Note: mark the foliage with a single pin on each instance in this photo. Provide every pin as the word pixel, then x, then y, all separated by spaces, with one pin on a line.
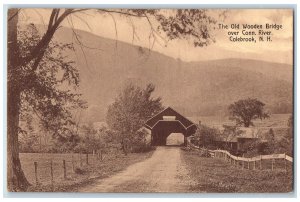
pixel 28 142
pixel 204 153
pixel 286 145
pixel 244 111
pixel 193 25
pixel 253 147
pixel 271 142
pixel 44 95
pixel 132 107
pixel 228 134
pixel 139 142
pixel 206 136
pixel 231 132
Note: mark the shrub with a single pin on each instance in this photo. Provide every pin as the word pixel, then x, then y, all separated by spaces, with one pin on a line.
pixel 205 136
pixel 80 171
pixel 142 148
pixel 205 153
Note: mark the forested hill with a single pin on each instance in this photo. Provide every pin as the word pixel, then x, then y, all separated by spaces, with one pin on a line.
pixel 193 88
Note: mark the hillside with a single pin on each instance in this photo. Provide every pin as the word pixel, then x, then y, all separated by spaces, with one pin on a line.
pixel 194 88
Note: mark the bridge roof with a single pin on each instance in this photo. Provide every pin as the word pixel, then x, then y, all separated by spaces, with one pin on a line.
pixel 165 115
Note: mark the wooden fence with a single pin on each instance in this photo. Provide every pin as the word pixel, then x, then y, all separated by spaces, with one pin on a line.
pixel 258 162
pixel 254 162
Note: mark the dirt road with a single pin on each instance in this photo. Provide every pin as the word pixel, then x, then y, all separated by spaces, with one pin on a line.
pixel 163 172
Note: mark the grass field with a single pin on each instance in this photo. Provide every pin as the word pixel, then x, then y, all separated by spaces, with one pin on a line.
pixel 215 175
pixel 111 164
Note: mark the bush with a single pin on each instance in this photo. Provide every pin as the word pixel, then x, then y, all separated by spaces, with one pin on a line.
pixel 205 153
pixel 80 171
pixel 138 142
pixel 205 136
pixel 142 148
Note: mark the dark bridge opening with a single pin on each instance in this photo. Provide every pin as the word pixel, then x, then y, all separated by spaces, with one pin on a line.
pixel 167 122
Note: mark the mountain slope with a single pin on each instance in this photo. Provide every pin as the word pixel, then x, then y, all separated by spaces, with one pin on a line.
pixel 194 88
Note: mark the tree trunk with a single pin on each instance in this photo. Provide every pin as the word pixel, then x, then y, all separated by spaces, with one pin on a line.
pixel 16 180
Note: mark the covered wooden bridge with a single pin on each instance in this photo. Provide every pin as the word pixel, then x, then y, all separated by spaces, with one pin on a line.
pixel 166 122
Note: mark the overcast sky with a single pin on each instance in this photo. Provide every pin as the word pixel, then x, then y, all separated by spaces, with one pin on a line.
pixel 117 27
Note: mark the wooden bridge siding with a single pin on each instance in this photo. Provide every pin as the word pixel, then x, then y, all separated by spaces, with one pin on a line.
pixel 162 130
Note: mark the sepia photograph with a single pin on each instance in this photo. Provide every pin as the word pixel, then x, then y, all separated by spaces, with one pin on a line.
pixel 144 100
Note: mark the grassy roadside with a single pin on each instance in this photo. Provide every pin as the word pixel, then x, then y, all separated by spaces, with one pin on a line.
pixel 214 175
pixel 95 170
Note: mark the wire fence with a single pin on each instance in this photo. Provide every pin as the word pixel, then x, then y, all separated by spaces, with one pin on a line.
pixel 50 169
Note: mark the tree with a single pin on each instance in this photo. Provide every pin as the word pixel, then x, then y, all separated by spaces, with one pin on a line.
pixel 26 76
pixel 91 139
pixel 271 142
pixel 244 111
pixel 130 110
pixel 286 144
pixel 229 133
pixel 289 137
pixel 206 136
pixel 37 89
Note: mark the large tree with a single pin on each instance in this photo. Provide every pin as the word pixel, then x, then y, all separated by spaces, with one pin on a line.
pixel 130 110
pixel 39 88
pixel 24 69
pixel 247 110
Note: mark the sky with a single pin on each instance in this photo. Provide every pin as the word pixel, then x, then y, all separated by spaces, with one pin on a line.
pixel 117 27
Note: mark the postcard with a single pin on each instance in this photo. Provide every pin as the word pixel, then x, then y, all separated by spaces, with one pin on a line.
pixel 179 100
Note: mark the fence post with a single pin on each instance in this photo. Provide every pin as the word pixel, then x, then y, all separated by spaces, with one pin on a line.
pixel 51 172
pixel 80 156
pixel 273 160
pixel 260 163
pixel 65 170
pixel 73 166
pixel 35 173
pixel 254 165
pixel 248 164
pixel 285 167
pixel 87 159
